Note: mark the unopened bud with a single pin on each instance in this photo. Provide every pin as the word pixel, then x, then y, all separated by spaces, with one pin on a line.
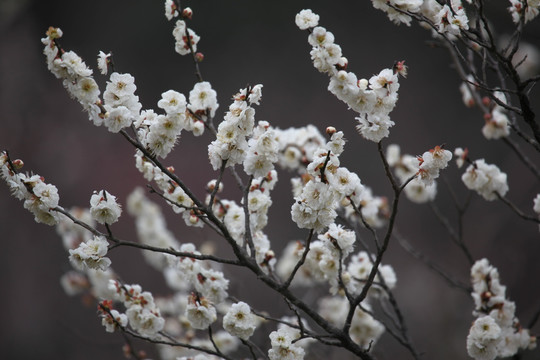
pixel 342 63
pixel 363 84
pixel 18 164
pixel 199 57
pixel 170 168
pixel 331 130
pixel 486 100
pixel 187 13
pixel 212 185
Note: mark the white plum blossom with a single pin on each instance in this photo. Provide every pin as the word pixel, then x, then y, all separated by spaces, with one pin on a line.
pixel 373 100
pixel 117 118
pixel 144 320
pixel 104 208
pixel 497 125
pixel 536 204
pixel 91 255
pixel 231 144
pixel 120 93
pixel 315 207
pixel 283 347
pixel 103 62
pixel 171 10
pixel 451 20
pixel 113 320
pixel 172 102
pixel 338 238
pixel 431 162
pixel 200 312
pixel 183 43
pixel 203 98
pixel 240 321
pixel 483 339
pixel 255 94
pixel 306 19
pixel 486 179
pixel 531 10
pixel 211 284
pixel 496 332
pixel 365 330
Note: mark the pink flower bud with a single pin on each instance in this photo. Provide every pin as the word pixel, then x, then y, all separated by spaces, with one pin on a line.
pixel 199 57
pixel 187 13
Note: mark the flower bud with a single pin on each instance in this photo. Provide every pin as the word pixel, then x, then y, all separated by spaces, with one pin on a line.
pixel 18 164
pixel 187 13
pixel 199 57
pixel 331 130
pixel 342 63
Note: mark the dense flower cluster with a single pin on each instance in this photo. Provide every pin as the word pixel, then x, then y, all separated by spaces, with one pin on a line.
pixel 104 208
pixel 486 179
pixel 419 171
pixel 231 144
pixel 143 315
pixel 39 197
pixel 496 332
pixel 330 201
pixel 372 99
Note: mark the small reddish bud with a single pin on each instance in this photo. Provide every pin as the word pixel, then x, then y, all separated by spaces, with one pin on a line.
pixel 187 13
pixel 487 117
pixel 486 100
pixel 331 130
pixel 199 57
pixel 18 164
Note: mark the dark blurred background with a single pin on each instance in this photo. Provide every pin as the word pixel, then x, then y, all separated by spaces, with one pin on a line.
pixel 244 42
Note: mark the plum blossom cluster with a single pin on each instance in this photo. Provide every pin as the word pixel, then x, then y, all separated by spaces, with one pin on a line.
pixel 104 208
pixel 143 315
pixel 75 75
pixel 449 19
pixel 39 197
pixel 524 9
pixel 419 171
pixel 497 124
pixel 111 319
pixel 325 186
pixel 186 39
pixel 258 204
pixel 315 206
pixel 120 102
pixel 120 106
pixel 91 254
pixel 486 179
pixel 364 330
pixel 283 346
pixel 231 144
pixel 496 332
pixel 203 287
pixel 355 279
pixel 325 263
pixel 372 99
pixel 160 132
